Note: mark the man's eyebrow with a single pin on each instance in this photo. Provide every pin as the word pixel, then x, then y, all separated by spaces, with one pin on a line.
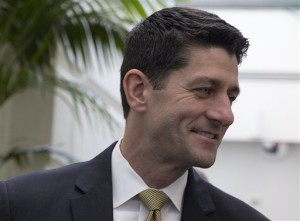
pixel 205 80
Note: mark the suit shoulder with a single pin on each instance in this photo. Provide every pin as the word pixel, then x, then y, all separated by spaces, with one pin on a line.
pixel 229 204
pixel 47 194
pixel 60 178
pixel 24 195
pixel 45 179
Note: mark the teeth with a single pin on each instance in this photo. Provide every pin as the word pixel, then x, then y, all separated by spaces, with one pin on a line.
pixel 206 134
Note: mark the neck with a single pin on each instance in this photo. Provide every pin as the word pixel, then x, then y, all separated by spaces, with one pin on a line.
pixel 156 172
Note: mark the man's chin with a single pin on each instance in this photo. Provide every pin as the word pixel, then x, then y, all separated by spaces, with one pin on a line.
pixel 207 163
pixel 205 166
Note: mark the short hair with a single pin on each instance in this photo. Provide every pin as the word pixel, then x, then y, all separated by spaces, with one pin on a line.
pixel 159 44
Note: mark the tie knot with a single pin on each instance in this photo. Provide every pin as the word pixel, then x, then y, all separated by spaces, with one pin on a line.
pixel 153 199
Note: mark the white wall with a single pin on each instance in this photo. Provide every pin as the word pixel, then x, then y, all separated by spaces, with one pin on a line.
pixel 269 182
pixel 25 121
pixel 273 35
pixel 83 139
pixel 266 110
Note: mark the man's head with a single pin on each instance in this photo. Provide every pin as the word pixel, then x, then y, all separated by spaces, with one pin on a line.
pixel 161 43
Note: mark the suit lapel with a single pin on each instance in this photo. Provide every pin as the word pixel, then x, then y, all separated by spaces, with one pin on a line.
pixel 93 201
pixel 197 202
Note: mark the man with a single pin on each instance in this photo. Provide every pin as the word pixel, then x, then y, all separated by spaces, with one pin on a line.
pixel 179 78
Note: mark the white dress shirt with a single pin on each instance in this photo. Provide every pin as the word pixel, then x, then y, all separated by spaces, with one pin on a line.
pixel 127 184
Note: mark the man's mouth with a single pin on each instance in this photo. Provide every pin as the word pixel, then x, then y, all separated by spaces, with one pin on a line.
pixel 205 133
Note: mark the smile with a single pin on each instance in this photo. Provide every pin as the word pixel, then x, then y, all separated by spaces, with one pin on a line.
pixel 205 134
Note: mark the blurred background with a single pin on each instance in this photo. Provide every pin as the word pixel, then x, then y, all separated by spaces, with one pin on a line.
pixel 60 102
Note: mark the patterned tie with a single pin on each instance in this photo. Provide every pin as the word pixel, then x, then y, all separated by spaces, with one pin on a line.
pixel 154 200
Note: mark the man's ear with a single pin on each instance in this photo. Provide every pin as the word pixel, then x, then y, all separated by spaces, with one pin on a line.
pixel 135 84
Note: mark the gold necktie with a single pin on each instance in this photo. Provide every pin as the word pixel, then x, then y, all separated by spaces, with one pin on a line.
pixel 154 200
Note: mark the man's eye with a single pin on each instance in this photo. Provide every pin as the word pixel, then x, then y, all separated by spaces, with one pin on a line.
pixel 204 90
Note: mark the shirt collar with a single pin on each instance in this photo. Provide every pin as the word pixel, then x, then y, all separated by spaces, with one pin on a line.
pixel 124 176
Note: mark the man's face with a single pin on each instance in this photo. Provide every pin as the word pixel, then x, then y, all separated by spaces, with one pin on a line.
pixel 189 116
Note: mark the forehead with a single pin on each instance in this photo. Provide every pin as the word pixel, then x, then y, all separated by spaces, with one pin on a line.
pixel 212 64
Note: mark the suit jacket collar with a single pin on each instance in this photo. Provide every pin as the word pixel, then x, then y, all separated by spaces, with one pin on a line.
pixel 197 202
pixel 94 186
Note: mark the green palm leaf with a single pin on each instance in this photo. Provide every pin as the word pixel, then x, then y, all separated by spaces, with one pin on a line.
pixel 32 30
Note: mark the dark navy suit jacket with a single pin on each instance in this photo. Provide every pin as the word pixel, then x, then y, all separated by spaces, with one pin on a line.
pixel 83 192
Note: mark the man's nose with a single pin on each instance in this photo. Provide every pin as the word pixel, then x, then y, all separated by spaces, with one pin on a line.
pixel 221 112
